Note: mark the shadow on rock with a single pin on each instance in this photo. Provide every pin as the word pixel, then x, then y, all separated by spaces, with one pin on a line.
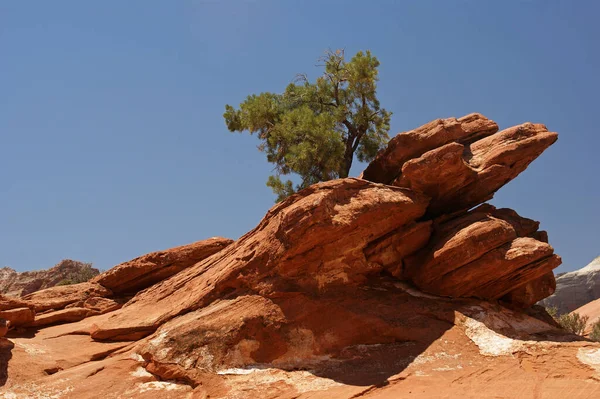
pixel 6 348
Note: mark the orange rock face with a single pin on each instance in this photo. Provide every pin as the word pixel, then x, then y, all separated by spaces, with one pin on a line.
pixel 350 288
pixel 142 272
pixel 313 241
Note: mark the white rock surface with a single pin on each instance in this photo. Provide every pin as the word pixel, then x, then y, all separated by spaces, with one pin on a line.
pixel 575 289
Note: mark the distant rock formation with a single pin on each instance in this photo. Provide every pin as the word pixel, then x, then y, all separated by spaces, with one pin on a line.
pixel 575 289
pixel 13 283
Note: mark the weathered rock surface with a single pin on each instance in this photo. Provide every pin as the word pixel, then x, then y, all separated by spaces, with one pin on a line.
pixel 313 241
pixel 101 305
pixel 60 296
pixel 142 272
pixel 61 316
pixel 17 311
pixel 387 166
pixel 18 316
pixel 319 300
pixel 575 289
pixel 7 302
pixel 383 341
pixel 459 163
pixel 17 284
pixel 486 253
pixel 531 292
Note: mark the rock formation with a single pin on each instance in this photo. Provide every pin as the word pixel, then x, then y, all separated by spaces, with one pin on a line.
pixel 575 289
pixel 386 286
pixel 17 311
pixel 17 284
pixel 142 272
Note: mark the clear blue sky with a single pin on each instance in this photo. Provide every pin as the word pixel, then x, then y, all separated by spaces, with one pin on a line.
pixel 112 141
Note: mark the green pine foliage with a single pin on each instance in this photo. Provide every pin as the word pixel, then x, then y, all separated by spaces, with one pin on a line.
pixel 314 129
pixel 595 334
pixel 81 275
pixel 573 322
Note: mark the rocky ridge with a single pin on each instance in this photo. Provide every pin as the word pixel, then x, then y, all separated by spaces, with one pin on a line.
pixel 575 289
pixel 383 286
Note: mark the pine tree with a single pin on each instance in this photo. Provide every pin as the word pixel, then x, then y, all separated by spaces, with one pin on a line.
pixel 314 130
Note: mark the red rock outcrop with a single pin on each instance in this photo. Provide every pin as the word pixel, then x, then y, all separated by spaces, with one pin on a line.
pixel 60 296
pixel 387 166
pixel 459 163
pixel 18 317
pixel 142 272
pixel 17 284
pixel 319 300
pixel 17 311
pixel 313 241
pixel 486 253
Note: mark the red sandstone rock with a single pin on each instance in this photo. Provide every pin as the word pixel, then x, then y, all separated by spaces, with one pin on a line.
pixel 61 316
pixel 458 177
pixel 142 272
pixel 486 253
pixel 60 296
pixel 18 316
pixel 313 241
pixel 412 144
pixel 7 302
pixel 310 304
pixel 101 305
pixel 458 164
pixel 532 292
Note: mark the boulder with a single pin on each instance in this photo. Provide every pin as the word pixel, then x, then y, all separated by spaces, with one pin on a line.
pixel 485 253
pixel 142 272
pixel 387 165
pixel 19 316
pixel 458 176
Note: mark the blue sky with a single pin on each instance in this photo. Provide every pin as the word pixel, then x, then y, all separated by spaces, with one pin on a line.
pixel 112 141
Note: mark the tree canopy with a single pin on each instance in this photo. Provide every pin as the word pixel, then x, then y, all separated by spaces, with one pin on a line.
pixel 314 130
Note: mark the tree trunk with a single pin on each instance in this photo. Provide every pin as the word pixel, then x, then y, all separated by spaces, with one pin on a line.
pixel 347 161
